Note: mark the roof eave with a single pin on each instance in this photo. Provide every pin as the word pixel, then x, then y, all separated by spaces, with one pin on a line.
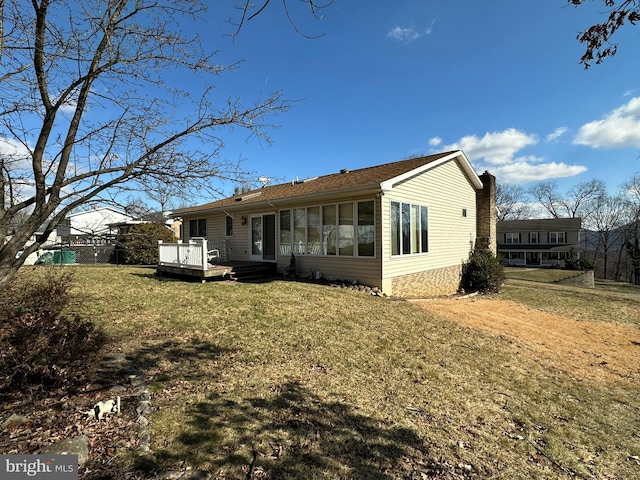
pixel 373 189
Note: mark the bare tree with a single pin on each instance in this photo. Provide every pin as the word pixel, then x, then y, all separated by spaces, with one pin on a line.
pixel 608 216
pixel 631 190
pixel 547 195
pixel 576 203
pixel 1 26
pixel 513 202
pixel 249 11
pixel 92 97
pixel 597 37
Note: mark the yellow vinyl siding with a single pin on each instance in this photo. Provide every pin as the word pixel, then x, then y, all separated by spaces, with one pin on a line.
pixel 237 245
pixel 446 191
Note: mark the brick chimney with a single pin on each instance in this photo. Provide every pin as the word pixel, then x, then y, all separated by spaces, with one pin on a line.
pixel 486 214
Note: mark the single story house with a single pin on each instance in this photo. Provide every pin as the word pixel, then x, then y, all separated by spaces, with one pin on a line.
pixel 539 242
pixel 405 227
pixel 91 227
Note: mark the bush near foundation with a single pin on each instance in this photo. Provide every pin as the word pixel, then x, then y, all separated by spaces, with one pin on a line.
pixel 40 347
pixel 482 273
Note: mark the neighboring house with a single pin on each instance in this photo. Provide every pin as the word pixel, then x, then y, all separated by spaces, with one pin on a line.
pixel 405 227
pixel 92 227
pixel 123 228
pixel 540 242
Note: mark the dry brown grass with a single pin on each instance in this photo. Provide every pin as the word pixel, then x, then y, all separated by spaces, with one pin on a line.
pixel 547 275
pixel 594 305
pixel 305 381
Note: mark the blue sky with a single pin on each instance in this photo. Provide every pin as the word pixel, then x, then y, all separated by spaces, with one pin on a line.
pixel 389 80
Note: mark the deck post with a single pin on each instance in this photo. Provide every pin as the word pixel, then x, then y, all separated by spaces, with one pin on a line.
pixel 178 252
pixel 205 259
pixel 202 242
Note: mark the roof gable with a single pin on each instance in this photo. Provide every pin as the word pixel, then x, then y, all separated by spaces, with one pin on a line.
pixel 380 177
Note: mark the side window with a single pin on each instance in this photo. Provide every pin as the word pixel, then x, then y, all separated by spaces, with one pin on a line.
pixel 229 226
pixel 198 228
pixel 511 237
pixel 409 229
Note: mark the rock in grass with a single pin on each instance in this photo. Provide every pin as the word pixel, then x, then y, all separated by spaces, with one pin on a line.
pixel 72 446
pixel 14 421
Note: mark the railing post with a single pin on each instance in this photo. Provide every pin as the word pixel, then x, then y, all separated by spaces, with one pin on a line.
pixel 159 252
pixel 178 252
pixel 204 259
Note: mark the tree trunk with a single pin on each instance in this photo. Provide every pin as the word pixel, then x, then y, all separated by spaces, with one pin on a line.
pixel 9 264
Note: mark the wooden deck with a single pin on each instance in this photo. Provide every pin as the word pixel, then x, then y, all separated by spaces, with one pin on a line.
pixel 236 270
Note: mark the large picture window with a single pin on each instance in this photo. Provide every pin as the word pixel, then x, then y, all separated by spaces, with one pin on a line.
pixel 329 230
pixel 345 229
pixel 299 243
pixel 313 231
pixel 285 232
pixel 409 229
pixel 366 229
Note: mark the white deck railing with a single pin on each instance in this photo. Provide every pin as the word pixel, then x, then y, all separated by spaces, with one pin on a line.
pixel 184 255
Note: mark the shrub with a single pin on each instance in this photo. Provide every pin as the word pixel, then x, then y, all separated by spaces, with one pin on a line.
pixel 41 348
pixel 482 273
pixel 572 262
pixel 140 245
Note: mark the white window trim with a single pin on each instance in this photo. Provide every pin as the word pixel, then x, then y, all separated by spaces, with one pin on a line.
pixel 354 204
pixel 409 254
pixel 510 235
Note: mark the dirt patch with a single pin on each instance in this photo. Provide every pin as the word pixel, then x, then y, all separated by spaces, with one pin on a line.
pixel 603 352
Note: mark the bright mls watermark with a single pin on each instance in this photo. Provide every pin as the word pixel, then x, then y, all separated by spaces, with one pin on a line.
pixel 50 467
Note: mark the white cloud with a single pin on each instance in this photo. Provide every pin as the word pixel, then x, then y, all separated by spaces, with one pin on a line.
pixel 435 141
pixel 409 34
pixel 521 170
pixel 18 160
pixel 429 29
pixel 557 133
pixel 497 148
pixel 14 152
pixel 618 129
pixel 69 108
pixel 497 153
pixel 404 35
